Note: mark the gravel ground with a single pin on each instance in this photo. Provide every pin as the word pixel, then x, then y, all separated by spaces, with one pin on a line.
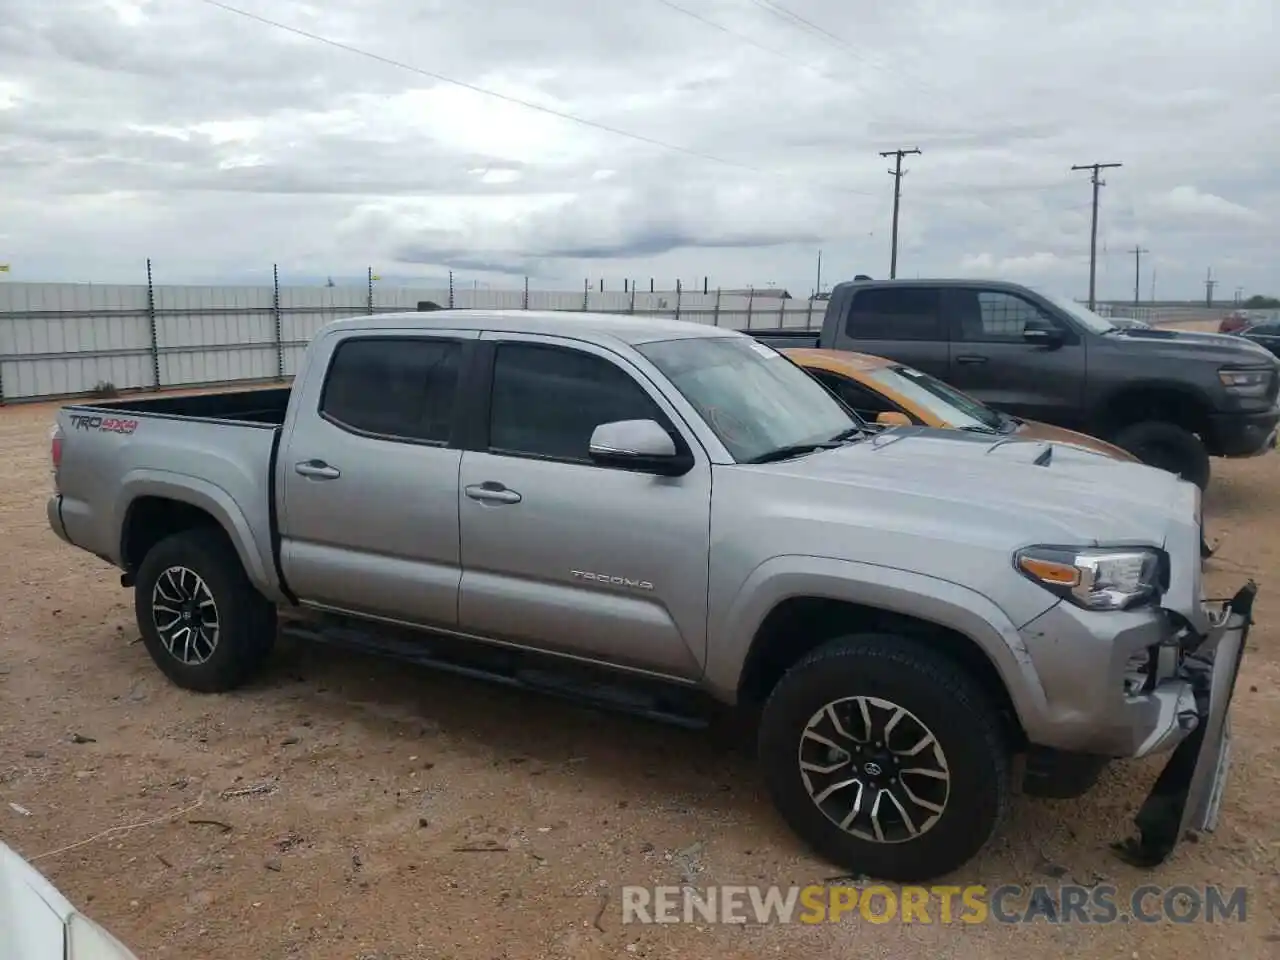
pixel 320 812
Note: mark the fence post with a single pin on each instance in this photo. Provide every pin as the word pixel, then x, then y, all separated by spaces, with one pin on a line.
pixel 450 289
pixel 632 308
pixel 275 311
pixel 751 295
pixel 524 303
pixel 678 291
pixel 151 322
pixel 715 317
pixel 369 294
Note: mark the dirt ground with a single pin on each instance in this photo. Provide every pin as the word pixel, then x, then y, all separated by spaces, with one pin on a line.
pixel 319 812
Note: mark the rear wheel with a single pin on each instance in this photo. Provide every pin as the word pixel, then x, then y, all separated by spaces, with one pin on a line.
pixel 1169 447
pixel 203 623
pixel 885 757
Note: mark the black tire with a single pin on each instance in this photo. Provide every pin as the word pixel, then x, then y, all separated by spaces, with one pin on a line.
pixel 1169 447
pixel 938 694
pixel 246 620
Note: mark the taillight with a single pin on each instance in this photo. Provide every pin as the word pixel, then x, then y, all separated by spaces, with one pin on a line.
pixel 55 447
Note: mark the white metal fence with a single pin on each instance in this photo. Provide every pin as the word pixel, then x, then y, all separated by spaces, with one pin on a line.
pixel 69 339
pixel 76 339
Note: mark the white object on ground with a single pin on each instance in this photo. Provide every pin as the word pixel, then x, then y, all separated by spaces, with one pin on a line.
pixel 39 923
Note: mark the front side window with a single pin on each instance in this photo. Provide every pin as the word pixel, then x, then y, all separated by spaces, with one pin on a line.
pixel 753 398
pixel 943 402
pixel 399 388
pixel 548 400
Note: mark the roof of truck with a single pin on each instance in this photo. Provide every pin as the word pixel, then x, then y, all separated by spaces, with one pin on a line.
pixel 627 328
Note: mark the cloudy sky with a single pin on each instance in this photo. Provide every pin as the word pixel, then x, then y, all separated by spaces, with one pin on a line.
pixel 732 139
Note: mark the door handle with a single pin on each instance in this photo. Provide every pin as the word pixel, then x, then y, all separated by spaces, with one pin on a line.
pixel 316 470
pixel 970 358
pixel 492 492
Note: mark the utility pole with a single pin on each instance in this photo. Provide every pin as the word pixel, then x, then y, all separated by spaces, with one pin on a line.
pixel 1137 272
pixel 818 287
pixel 1093 231
pixel 1209 284
pixel 897 173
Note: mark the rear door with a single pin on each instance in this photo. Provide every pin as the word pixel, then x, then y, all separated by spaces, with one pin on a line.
pixel 992 361
pixel 901 322
pixel 369 478
pixel 566 555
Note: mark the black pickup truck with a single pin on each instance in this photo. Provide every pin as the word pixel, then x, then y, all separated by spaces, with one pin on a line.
pixel 1172 399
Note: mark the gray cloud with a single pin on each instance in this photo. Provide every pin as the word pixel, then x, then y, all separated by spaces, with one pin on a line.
pixel 218 145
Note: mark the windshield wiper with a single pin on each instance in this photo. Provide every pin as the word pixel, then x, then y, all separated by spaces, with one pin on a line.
pixel 795 450
pixel 852 433
pixel 978 428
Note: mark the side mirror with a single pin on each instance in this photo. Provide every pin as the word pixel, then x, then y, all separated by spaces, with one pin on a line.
pixel 1042 338
pixel 892 418
pixel 640 445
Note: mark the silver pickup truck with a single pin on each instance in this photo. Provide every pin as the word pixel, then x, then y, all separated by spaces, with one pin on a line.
pixel 647 514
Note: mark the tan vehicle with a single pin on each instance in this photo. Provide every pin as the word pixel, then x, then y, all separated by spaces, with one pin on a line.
pixel 893 394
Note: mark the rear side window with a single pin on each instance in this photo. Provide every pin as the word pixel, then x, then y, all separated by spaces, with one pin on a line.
pixel 547 401
pixel 398 388
pixel 895 313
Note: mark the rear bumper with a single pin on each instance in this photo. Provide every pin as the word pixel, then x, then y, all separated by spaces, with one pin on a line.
pixel 53 510
pixel 1188 794
pixel 1242 434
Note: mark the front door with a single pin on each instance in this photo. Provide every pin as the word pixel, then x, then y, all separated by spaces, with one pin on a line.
pixel 369 515
pixel 992 361
pixel 562 554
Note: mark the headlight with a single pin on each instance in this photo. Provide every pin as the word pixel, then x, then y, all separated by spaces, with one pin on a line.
pixel 1245 382
pixel 1096 578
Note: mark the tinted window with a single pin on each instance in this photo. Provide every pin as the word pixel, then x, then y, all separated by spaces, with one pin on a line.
pixel 1266 328
pixel 865 403
pixel 895 313
pixel 394 387
pixel 1001 316
pixel 547 401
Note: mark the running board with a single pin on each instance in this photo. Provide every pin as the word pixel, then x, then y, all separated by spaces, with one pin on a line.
pixel 598 688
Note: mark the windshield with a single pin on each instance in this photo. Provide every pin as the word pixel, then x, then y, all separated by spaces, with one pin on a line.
pixel 752 397
pixel 943 402
pixel 1080 313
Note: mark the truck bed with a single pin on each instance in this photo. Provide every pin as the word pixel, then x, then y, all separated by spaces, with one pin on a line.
pixel 264 406
pixel 781 337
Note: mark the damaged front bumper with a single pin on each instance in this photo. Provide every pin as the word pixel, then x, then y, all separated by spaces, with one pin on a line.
pixel 1187 796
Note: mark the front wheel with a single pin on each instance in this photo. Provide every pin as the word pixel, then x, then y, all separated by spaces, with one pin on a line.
pixel 885 757
pixel 1169 447
pixel 205 625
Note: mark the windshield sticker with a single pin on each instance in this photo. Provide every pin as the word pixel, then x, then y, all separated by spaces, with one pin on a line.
pixel 767 352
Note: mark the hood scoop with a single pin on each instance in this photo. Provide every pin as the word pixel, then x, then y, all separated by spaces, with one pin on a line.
pixel 1018 449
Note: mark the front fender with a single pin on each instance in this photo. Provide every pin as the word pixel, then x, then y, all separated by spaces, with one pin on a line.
pixel 212 499
pixel 928 598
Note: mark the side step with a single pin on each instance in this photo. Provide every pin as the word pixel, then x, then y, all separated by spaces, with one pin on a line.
pixel 567 680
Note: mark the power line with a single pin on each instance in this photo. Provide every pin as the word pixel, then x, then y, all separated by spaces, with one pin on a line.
pixel 1093 231
pixel 474 88
pixel 782 13
pixel 897 173
pixel 738 36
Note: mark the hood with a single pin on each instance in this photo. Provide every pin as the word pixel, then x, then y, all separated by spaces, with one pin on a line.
pixel 1034 430
pixel 1222 347
pixel 1006 488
